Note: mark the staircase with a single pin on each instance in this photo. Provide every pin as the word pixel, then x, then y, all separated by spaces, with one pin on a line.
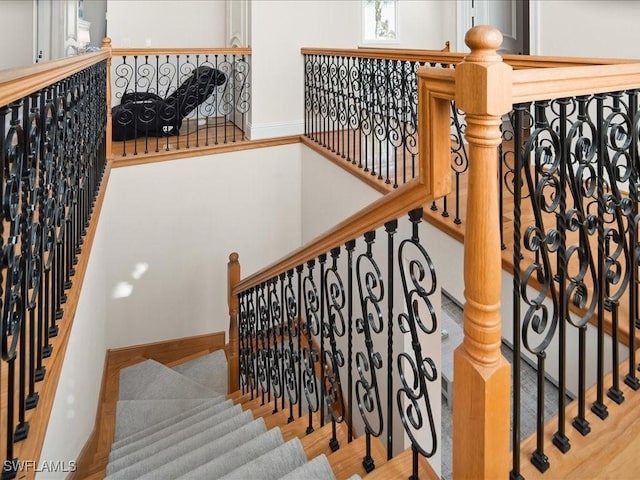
pixel 178 422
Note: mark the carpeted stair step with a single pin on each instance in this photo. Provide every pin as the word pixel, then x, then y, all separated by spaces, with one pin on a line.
pixel 209 370
pixel 135 415
pixel 272 465
pixel 165 423
pixel 180 457
pixel 191 424
pixel 216 467
pixel 204 453
pixel 150 380
pixel 214 427
pixel 316 469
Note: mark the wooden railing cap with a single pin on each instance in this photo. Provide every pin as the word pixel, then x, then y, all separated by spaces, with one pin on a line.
pixel 483 40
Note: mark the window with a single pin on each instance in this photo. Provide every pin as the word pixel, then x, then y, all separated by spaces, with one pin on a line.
pixel 379 20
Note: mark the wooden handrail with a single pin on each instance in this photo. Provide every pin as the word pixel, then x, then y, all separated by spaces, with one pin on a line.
pixel 453 58
pixel 17 83
pixel 180 51
pixel 544 84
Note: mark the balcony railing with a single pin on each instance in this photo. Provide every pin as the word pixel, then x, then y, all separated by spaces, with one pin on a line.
pixel 172 99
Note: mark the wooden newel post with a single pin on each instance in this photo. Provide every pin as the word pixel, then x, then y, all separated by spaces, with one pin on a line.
pixel 106 45
pixel 233 360
pixel 481 395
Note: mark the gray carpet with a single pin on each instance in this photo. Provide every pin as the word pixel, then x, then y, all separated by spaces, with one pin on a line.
pixel 175 423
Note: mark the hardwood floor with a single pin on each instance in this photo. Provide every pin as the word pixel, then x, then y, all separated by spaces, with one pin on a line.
pixel 193 135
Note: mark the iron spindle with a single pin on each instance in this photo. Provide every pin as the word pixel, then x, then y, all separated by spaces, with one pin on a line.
pixel 560 440
pixel 299 322
pixel 538 458
pixel 391 228
pixel 598 407
pixel 630 378
pixel 322 259
pixel 518 162
pixel 349 247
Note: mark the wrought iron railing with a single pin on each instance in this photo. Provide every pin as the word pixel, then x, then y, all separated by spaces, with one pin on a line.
pixel 328 337
pixel 176 99
pixel 362 106
pixel 322 332
pixel 574 180
pixel 52 158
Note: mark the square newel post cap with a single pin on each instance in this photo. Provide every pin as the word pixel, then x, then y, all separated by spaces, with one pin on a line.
pixel 483 80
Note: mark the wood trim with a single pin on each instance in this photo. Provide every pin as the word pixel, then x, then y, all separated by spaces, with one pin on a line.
pixel 94 455
pixel 453 58
pixel 31 448
pixel 17 83
pixel 142 159
pixel 168 351
pixel 120 52
pixel 543 84
pixel 436 56
pixel 404 51
pixel 233 277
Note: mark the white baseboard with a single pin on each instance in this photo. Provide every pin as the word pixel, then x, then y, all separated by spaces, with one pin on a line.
pixel 270 130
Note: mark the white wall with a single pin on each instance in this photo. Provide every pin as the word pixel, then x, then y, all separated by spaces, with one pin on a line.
pixel 158 23
pixel 182 219
pixel 278 30
pixel 426 24
pixel 589 29
pixel 323 207
pixel 16 34
pixel 74 409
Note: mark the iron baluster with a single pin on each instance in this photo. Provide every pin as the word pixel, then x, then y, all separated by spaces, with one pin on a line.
pixel 322 260
pixel 580 156
pixel 539 325
pixel 391 228
pixel 371 291
pixel 349 247
pixel 300 331
pixel 460 158
pixel 417 369
pixel 311 329
pixel 560 439
pixel 598 407
pixel 333 359
pixel 630 378
pixel 262 348
pixel 291 357
pixel 275 311
pixel 518 161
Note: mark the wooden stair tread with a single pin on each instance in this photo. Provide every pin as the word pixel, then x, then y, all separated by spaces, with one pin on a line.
pixel 400 467
pixel 298 428
pixel 609 451
pixel 348 460
pixel 317 443
pixel 276 419
pixel 235 395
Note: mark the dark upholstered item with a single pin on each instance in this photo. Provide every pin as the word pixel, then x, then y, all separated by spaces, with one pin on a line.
pixel 143 114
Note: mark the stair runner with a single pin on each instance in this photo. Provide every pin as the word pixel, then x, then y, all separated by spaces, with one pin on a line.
pixel 176 423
